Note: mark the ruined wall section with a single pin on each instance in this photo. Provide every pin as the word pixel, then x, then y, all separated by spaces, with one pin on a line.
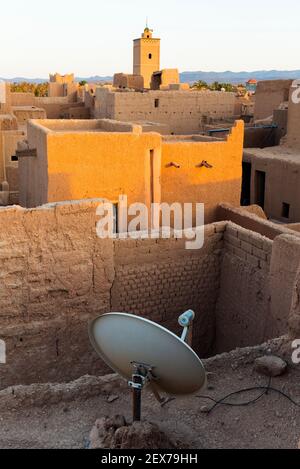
pixel 55 276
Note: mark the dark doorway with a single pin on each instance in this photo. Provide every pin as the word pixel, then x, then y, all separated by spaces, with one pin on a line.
pixel 260 188
pixel 285 210
pixel 246 184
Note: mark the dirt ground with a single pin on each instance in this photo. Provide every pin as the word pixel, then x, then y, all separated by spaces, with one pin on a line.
pixel 61 416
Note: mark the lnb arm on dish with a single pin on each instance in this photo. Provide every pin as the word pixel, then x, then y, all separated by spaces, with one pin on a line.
pixel 185 321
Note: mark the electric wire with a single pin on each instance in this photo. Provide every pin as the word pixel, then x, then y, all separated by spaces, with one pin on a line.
pixel 265 391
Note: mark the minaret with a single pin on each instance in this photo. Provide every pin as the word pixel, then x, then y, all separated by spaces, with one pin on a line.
pixel 146 56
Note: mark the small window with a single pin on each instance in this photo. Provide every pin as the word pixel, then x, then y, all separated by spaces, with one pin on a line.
pixel 285 210
pixel 156 103
pixel 14 158
pixel 150 56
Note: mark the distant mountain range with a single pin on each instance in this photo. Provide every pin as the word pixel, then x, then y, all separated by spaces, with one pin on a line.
pixel 191 77
pixel 239 77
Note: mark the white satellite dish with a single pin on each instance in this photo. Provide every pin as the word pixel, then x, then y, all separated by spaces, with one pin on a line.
pixel 146 354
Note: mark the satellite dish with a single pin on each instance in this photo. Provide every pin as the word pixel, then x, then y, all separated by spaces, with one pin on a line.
pixel 146 354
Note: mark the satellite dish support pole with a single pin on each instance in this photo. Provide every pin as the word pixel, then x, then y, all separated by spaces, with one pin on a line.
pixel 140 378
pixel 137 387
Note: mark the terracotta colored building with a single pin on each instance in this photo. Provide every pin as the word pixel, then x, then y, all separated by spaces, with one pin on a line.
pixel 106 159
pixel 146 56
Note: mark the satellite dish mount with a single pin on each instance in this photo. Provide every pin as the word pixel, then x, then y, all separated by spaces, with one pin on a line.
pixel 143 374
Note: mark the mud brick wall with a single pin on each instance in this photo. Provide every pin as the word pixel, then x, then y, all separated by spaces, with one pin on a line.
pixel 243 308
pixel 56 275
pixel 160 279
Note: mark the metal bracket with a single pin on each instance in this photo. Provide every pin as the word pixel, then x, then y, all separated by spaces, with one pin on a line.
pixel 143 375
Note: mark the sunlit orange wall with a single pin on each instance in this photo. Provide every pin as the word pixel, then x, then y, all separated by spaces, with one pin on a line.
pixel 210 186
pixel 106 165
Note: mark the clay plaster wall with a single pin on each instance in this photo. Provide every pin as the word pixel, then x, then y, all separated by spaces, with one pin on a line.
pixel 203 185
pixel 24 113
pixel 257 299
pixel 122 80
pixel 23 99
pixel 160 278
pixel 103 158
pixel 242 216
pixel 87 163
pixel 269 95
pixel 56 275
pixel 54 106
pixel 281 172
pixel 184 112
pixel 243 310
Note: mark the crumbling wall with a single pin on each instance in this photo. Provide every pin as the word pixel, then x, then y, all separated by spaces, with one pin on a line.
pixel 243 217
pixel 56 275
pixel 243 310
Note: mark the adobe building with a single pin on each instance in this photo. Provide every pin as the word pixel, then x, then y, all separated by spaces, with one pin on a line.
pixel 15 112
pixel 65 100
pixel 125 81
pixel 61 85
pixel 271 175
pixel 269 95
pixel 11 133
pixel 146 56
pixel 68 160
pixel 168 79
pixel 185 112
pixel 157 96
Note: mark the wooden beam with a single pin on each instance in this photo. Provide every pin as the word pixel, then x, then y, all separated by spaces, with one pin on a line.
pixel 28 153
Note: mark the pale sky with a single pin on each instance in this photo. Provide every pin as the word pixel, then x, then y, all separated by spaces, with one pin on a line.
pixel 94 37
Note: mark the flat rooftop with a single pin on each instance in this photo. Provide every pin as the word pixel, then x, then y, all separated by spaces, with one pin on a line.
pixel 281 152
pixel 85 125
